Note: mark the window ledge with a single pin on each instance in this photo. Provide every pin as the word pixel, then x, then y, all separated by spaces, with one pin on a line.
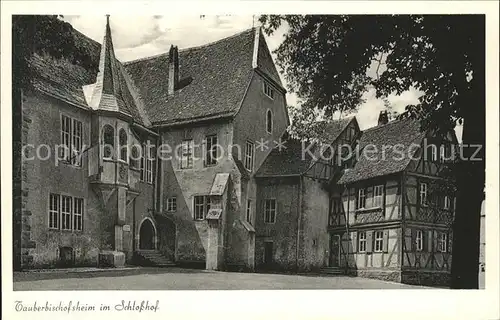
pixel 366 210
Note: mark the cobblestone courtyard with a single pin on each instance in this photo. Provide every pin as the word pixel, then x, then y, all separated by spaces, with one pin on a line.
pixel 187 279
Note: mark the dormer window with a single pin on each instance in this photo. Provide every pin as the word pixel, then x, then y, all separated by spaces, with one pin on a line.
pixel 268 90
pixel 123 145
pixel 269 121
pixel 108 142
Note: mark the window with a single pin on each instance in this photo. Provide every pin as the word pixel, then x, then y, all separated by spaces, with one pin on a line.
pixel 201 207
pixel 269 121
pixel 378 196
pixel 136 157
pixel 143 163
pixel 379 241
pixel 361 201
pixel 123 145
pixel 54 211
pixel 211 155
pixel 108 141
pixel 268 90
pixel 423 194
pixel 447 203
pixel 249 210
pixel 442 242
pixel 77 139
pixel 187 154
pixel 78 214
pixel 352 133
pixel 270 211
pixel 335 210
pixel 362 242
pixel 419 240
pixel 149 163
pixel 65 212
pixel 172 204
pixel 249 154
pixel 71 140
pixel 433 153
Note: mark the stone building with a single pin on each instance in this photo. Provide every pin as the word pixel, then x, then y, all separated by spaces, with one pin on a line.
pixel 210 105
pixel 184 158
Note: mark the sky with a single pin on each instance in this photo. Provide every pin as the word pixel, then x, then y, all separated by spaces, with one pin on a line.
pixel 137 37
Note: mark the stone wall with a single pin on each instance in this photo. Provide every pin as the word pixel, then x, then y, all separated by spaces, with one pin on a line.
pixel 42 177
pixel 282 233
pixel 314 240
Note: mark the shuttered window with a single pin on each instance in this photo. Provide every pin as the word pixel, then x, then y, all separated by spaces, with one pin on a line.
pixel 361 200
pixel 379 241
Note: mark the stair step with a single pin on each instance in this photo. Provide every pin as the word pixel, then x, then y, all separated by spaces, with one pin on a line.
pixel 332 270
pixel 156 258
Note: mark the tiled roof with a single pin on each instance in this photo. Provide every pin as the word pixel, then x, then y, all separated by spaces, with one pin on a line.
pixel 396 135
pixel 213 79
pixel 285 161
pixel 265 61
pixel 289 161
pixel 329 131
pixel 64 80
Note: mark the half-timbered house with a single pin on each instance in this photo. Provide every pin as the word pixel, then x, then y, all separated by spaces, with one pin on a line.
pixel 224 197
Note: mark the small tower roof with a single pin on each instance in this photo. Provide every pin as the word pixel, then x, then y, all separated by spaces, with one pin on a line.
pixel 107 91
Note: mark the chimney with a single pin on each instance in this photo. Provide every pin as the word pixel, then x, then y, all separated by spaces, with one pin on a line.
pixel 173 69
pixel 383 118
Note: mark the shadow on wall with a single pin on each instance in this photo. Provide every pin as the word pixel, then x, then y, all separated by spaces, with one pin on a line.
pixel 187 241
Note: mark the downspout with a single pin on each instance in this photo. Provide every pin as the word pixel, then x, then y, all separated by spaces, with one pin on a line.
pixel 402 213
pixel 346 217
pixel 157 165
pixel 299 221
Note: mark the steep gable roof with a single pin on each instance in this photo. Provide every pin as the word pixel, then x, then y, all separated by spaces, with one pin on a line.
pixel 329 131
pixel 213 80
pixel 291 160
pixel 264 61
pixel 66 81
pixel 393 136
pixel 285 162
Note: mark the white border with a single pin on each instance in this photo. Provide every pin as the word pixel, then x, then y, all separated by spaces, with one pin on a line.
pixel 341 304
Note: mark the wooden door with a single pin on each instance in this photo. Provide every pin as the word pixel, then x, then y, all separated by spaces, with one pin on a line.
pixel 268 252
pixel 334 250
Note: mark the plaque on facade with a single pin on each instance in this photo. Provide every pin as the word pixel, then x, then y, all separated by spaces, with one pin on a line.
pixel 126 227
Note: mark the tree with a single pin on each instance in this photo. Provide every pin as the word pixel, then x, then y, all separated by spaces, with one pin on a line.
pixel 31 35
pixel 325 60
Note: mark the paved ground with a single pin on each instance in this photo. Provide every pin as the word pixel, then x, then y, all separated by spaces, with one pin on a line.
pixel 182 279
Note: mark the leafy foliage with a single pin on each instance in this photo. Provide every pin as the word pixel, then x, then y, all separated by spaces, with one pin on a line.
pixel 46 34
pixel 325 59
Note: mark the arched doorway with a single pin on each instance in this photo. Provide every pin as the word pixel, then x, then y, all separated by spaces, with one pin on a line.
pixel 147 235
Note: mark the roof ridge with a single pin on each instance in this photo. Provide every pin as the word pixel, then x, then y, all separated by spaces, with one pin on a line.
pixel 385 125
pixel 191 48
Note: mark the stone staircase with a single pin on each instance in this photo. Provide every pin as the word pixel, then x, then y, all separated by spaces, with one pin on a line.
pixel 334 271
pixel 153 258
